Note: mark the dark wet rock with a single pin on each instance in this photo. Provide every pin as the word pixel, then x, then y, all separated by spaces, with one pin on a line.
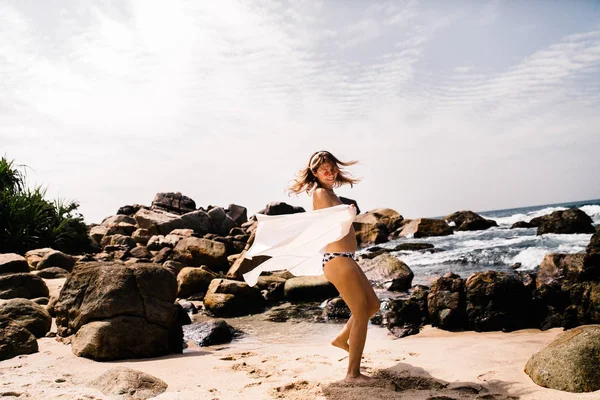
pixel 413 247
pixel 11 263
pixel 591 262
pixel 387 271
pixel 558 267
pixel 406 316
pixel 280 208
pixel 522 224
pixel 163 255
pixel 469 221
pixel 53 273
pixel 194 281
pixel 27 314
pixel 119 311
pixel 336 308
pixel 309 288
pixel 570 362
pixel 209 333
pixel 175 203
pixel 271 287
pixel 25 285
pixel 568 221
pixel 295 312
pixel 549 303
pixel 221 222
pixel 497 301
pixel 127 383
pixel 195 252
pixel 15 340
pixel 227 298
pixel 426 227
pixel 446 302
pixel 237 213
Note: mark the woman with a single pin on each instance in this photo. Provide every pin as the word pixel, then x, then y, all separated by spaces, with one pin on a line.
pixel 323 174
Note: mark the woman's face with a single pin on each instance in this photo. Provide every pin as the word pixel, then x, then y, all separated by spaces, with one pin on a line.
pixel 326 175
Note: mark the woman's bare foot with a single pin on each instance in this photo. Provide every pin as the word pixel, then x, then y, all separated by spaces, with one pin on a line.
pixel 342 344
pixel 359 379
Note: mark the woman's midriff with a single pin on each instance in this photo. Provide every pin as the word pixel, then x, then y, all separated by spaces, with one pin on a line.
pixel 347 243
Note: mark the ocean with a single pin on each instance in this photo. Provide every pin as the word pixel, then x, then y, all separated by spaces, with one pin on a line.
pixel 497 248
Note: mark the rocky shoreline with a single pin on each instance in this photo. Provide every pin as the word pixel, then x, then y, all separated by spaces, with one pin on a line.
pixel 155 265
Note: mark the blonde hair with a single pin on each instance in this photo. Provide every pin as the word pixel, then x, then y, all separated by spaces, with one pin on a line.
pixel 306 181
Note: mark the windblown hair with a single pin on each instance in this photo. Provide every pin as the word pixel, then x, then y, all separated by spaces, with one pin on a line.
pixel 306 181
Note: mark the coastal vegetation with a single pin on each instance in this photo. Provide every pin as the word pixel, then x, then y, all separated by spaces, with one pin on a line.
pixel 29 221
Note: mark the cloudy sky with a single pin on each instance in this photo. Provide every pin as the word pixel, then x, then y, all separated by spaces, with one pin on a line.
pixel 447 105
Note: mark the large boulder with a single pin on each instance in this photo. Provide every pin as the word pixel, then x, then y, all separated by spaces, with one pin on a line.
pixel 193 281
pixel 25 285
pixel 446 302
pixel 118 240
pixel 121 228
pixel 242 265
pixel 570 362
pixel 406 316
pixel 116 219
pixel 556 267
pixel 227 298
pixel 175 203
pixel 33 257
pixel 127 383
pixel 27 314
pixel 199 221
pixel 426 227
pixel 195 252
pixel 11 263
pixel 209 333
pixel 237 213
pixel 387 271
pixel 15 340
pixel 568 221
pixel 159 242
pixel 53 273
pixel 308 288
pixel 591 262
pixel 221 222
pixel 119 311
pixel 497 301
pixel 280 208
pixel 158 222
pixel 370 229
pixel 58 259
pixel 469 221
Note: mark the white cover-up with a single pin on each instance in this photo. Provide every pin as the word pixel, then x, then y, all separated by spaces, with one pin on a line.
pixel 296 242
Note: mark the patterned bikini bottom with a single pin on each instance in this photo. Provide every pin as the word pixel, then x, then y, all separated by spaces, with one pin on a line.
pixel 330 256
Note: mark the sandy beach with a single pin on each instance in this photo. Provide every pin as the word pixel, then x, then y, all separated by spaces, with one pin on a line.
pixel 302 365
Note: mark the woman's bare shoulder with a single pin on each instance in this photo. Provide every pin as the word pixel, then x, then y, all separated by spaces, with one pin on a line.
pixel 322 198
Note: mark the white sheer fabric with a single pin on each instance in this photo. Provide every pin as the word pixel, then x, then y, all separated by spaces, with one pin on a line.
pixel 296 242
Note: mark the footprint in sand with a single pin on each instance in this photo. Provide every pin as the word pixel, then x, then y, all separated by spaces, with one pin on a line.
pixel 250 370
pixel 238 356
pixel 486 376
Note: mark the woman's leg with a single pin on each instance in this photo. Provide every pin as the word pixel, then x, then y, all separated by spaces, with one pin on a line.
pixel 345 275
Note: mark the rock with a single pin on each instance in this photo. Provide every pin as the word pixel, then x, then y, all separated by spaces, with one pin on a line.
pixel 141 236
pixel 413 247
pixel 163 255
pixel 119 311
pixel 369 230
pixel 406 316
pixel 192 281
pixel 309 288
pixel 591 262
pixel 141 252
pixel 15 340
pixel 115 219
pixel 221 222
pixel 159 242
pixel 199 221
pixel 121 228
pixel 570 362
pixel 336 308
pixel 497 301
pixel 128 209
pixel 237 213
pixel 33 257
pixel 557 267
pixel 271 287
pixel 173 266
pixel 195 252
pixel 446 302
pixel 209 333
pixel 117 240
pixel 568 221
pixel 242 265
pixel 12 263
pixel 426 227
pixel 27 314
pixel 58 259
pixel 522 224
pixel 24 285
pixel 469 221
pixel 127 383
pixel 175 203
pixel 158 222
pixel 182 232
pixel 227 298
pixel 387 271
pixel 53 273
pixel 279 208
